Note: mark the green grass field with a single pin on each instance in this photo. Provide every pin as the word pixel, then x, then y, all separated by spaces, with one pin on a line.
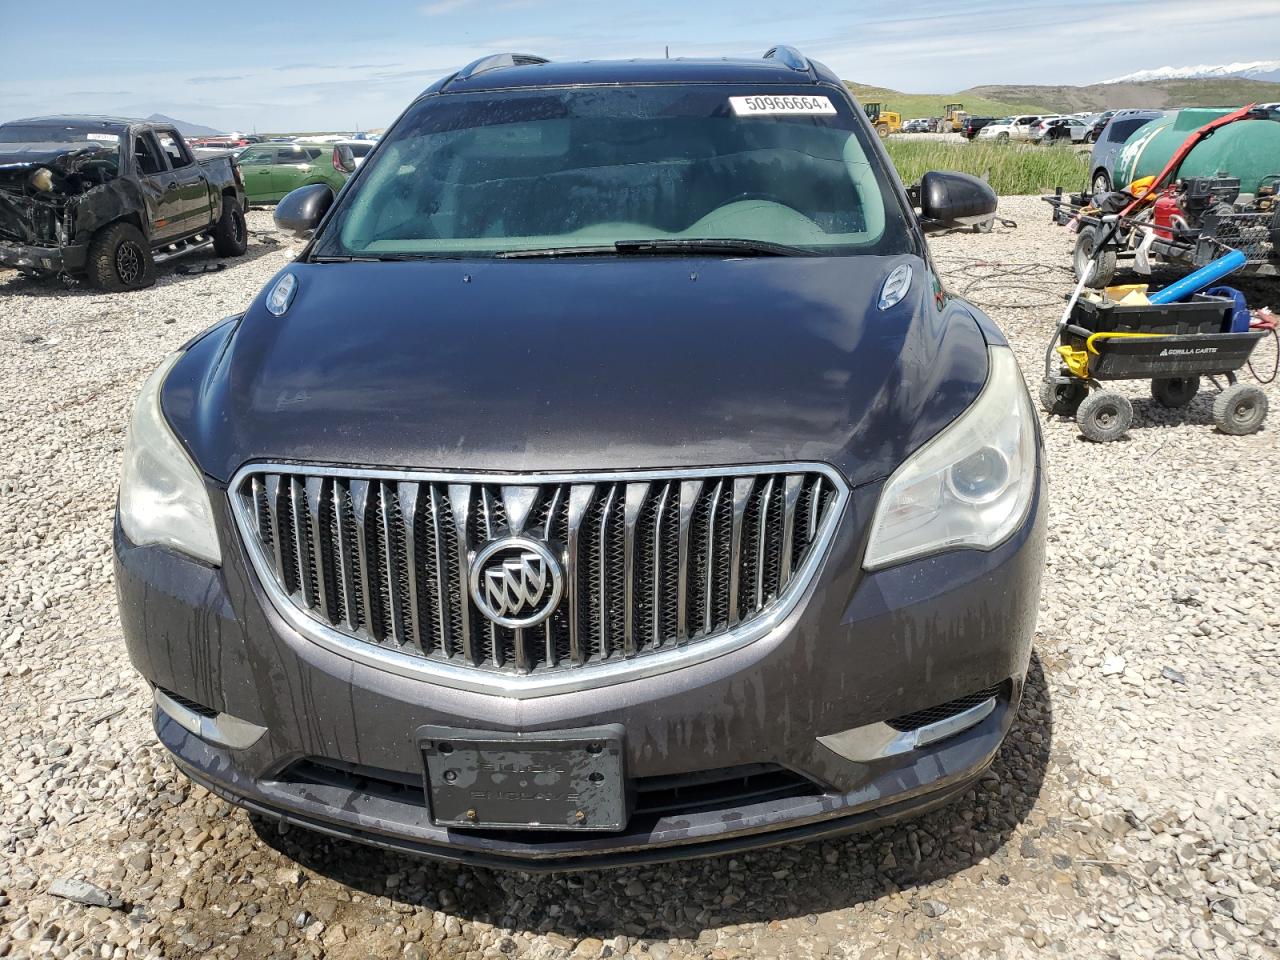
pixel 912 105
pixel 1010 168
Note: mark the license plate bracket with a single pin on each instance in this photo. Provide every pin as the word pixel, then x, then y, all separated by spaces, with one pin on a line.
pixel 547 780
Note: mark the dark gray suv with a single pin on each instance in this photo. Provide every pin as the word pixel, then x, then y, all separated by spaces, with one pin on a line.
pixel 611 478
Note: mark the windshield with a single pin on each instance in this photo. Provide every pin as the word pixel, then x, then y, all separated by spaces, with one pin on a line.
pixel 555 169
pixel 44 135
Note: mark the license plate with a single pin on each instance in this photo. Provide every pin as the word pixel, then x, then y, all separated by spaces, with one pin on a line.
pixel 558 780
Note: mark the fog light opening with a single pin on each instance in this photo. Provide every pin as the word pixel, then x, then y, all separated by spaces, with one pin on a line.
pixel 220 729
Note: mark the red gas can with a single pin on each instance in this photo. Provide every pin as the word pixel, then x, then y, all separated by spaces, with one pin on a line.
pixel 1167 215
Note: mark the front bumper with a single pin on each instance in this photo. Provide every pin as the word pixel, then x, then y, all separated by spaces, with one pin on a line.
pixel 42 259
pixel 858 649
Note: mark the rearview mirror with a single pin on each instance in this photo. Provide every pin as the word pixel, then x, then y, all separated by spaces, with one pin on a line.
pixel 344 159
pixel 948 199
pixel 302 210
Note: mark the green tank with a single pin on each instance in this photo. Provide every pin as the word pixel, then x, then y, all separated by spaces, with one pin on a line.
pixel 1248 149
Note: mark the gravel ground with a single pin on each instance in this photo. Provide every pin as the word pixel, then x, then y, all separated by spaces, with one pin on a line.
pixel 1133 812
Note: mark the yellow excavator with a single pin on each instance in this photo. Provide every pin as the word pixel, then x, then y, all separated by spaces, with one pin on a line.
pixel 885 121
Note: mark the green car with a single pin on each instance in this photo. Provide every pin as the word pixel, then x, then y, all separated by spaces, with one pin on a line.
pixel 271 170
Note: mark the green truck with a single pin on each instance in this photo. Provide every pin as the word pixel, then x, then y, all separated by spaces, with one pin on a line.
pixel 270 170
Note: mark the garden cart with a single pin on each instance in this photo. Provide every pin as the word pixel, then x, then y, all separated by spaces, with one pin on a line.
pixel 1173 345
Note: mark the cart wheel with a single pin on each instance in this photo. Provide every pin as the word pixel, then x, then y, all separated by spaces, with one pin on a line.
pixel 1062 399
pixel 1104 269
pixel 1104 416
pixel 1240 409
pixel 1174 392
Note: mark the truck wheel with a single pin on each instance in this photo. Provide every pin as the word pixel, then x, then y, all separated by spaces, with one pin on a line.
pixel 230 233
pixel 120 259
pixel 1101 182
pixel 1104 270
pixel 1240 409
pixel 882 129
pixel 1104 416
pixel 1062 399
pixel 1002 138
pixel 1174 392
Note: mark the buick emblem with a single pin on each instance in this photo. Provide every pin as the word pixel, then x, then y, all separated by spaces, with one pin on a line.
pixel 516 582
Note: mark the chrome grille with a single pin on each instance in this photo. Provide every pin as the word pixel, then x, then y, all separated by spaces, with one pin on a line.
pixel 653 563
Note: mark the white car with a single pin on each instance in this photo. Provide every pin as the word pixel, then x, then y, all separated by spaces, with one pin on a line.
pixel 1059 130
pixel 1010 128
pixel 359 148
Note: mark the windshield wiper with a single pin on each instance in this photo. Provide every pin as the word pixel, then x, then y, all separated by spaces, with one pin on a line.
pixel 706 247
pixel 380 258
pixel 592 251
pixel 742 248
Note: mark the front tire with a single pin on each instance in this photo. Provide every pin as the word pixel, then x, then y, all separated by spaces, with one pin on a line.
pixel 120 259
pixel 1101 182
pixel 882 129
pixel 1104 416
pixel 231 233
pixel 1240 409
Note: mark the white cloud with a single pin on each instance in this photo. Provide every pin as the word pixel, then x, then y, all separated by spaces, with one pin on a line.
pixel 439 7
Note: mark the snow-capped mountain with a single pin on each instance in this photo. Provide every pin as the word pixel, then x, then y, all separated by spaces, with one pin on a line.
pixel 1268 70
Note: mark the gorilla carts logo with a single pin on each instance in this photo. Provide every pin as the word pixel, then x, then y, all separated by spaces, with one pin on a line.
pixel 516 582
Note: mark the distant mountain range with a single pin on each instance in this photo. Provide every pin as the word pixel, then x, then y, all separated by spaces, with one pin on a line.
pixel 185 128
pixel 1265 70
pixel 1007 99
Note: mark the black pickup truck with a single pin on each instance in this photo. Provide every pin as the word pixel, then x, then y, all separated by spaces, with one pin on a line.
pixel 108 199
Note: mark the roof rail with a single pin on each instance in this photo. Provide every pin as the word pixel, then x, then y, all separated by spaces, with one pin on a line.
pixel 497 60
pixel 788 56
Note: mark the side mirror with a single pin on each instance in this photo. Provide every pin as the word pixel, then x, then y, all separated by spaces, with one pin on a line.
pixel 344 159
pixel 948 199
pixel 302 210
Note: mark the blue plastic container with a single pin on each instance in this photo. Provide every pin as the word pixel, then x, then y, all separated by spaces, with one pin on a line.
pixel 1239 313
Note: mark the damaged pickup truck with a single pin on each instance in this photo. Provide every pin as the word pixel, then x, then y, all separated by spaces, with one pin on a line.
pixel 108 199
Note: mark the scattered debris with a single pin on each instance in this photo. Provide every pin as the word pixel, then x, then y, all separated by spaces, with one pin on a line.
pixel 84 892
pixel 192 269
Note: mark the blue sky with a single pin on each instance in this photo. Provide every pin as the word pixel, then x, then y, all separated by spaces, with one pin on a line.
pixel 276 65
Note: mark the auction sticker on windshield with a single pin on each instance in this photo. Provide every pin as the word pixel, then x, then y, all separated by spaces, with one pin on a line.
pixel 785 106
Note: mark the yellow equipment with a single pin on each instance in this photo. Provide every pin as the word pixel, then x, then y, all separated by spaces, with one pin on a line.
pixel 885 121
pixel 1077 360
pixel 953 117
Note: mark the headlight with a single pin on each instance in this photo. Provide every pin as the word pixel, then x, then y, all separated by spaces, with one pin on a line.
pixel 969 486
pixel 162 494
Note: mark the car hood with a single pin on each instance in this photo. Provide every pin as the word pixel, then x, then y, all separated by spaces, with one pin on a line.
pixel 583 364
